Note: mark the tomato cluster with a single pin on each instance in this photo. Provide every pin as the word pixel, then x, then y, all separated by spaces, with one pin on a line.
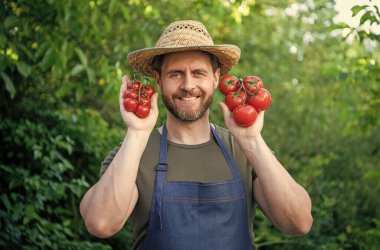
pixel 244 97
pixel 137 98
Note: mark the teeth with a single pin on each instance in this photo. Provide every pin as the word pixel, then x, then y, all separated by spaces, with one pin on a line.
pixel 188 98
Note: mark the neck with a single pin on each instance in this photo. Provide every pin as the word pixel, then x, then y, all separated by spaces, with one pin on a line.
pixel 190 133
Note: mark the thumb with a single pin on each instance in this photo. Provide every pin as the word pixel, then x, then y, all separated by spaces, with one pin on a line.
pixel 153 102
pixel 226 111
pixel 124 83
pixel 123 86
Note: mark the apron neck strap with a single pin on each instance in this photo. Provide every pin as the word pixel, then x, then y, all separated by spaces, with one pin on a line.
pixel 163 147
pixel 161 166
pixel 226 154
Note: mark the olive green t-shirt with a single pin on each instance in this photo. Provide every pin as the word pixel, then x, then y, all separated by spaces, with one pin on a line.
pixel 199 163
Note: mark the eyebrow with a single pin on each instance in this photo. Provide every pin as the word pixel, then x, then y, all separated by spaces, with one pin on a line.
pixel 174 71
pixel 198 70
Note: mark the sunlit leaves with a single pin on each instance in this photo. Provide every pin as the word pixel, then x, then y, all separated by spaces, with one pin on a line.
pixel 356 9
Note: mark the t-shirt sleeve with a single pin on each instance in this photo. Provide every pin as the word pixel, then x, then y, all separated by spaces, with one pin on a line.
pixel 107 161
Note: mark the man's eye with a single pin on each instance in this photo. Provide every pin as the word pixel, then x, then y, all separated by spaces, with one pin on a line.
pixel 199 74
pixel 175 75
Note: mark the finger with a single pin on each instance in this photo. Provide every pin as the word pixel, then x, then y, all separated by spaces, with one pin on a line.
pixel 124 84
pixel 125 79
pixel 226 111
pixel 154 101
pixel 260 115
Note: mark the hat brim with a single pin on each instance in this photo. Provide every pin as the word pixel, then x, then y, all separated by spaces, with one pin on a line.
pixel 141 60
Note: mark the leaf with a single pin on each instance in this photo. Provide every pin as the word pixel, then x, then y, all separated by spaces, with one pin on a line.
pixel 77 69
pixel 82 56
pixel 37 151
pixel 41 50
pixel 16 182
pixel 79 93
pixel 112 7
pixel 6 202
pixel 9 85
pixel 378 13
pixel 48 59
pixel 362 35
pixel 24 69
pixel 64 90
pixel 64 54
pixel 356 9
pixel 126 13
pixel 29 214
pixel 368 16
pixel 10 22
pixel 90 75
pixel 374 37
pixel 340 26
pixel 3 40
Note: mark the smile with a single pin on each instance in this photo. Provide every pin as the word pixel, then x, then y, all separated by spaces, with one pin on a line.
pixel 188 98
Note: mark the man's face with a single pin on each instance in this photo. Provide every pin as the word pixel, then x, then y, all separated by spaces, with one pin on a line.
pixel 187 83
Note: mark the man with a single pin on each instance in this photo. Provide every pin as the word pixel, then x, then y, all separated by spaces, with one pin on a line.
pixel 191 184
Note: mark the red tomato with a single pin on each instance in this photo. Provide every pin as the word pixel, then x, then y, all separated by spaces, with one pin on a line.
pixel 134 85
pixel 130 104
pixel 142 111
pixel 147 90
pixel 252 83
pixel 244 115
pixel 261 100
pixel 125 94
pixel 228 83
pixel 145 101
pixel 233 99
pixel 131 94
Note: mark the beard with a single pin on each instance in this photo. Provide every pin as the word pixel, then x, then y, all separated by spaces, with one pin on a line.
pixel 187 115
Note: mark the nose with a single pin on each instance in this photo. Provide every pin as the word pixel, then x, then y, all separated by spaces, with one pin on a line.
pixel 188 83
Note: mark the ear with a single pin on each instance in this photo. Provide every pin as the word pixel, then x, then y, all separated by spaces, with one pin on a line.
pixel 158 80
pixel 216 78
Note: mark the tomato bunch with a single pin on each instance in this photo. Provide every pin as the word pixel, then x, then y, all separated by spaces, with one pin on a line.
pixel 137 97
pixel 244 97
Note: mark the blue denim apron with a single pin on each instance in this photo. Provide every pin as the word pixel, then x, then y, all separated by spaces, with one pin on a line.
pixel 197 216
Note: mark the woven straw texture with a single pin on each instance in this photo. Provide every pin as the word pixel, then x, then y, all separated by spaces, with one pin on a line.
pixel 184 36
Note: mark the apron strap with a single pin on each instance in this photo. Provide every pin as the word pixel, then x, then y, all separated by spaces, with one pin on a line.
pixel 161 173
pixel 160 179
pixel 163 147
pixel 226 154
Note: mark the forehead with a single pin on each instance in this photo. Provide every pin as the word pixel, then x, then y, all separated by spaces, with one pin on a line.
pixel 186 58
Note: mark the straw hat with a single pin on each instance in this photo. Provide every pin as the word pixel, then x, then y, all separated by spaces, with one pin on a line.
pixel 184 36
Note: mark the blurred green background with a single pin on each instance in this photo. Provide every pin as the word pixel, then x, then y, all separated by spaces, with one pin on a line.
pixel 60 68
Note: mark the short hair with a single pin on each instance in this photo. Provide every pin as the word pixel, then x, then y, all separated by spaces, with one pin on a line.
pixel 158 61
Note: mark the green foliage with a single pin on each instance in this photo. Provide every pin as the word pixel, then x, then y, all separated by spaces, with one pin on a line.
pixel 41 186
pixel 60 68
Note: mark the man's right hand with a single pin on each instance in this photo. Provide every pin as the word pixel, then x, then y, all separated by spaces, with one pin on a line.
pixel 133 122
